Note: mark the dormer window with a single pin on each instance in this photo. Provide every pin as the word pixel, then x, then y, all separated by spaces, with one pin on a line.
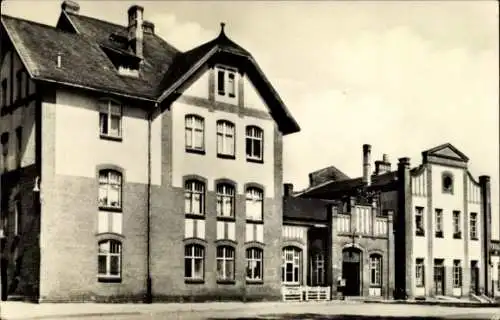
pixel 226 83
pixel 447 182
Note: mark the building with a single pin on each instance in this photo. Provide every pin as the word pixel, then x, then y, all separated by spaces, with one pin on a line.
pixel 430 226
pixel 134 171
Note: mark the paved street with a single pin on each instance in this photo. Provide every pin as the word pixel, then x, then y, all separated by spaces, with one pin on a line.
pixel 269 311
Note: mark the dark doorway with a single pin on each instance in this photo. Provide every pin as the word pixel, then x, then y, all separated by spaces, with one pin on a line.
pixel 474 277
pixel 351 271
pixel 439 277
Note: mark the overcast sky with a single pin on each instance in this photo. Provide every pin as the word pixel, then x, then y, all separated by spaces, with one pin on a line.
pixel 403 76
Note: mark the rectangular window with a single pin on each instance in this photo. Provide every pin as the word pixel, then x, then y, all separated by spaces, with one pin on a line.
pixel 439 223
pixel 194 258
pixel 225 263
pixel 220 82
pixel 4 92
pixel 419 272
pixel 254 264
pixel 195 139
pixel 225 200
pixel 194 194
pixel 19 153
pixel 419 221
pixel 457 274
pixel 109 260
pixel 231 85
pixel 254 143
pixel 457 230
pixel 110 189
pixel 254 204
pixel 225 138
pixel 473 226
pixel 110 119
pixel 226 82
pixel 375 271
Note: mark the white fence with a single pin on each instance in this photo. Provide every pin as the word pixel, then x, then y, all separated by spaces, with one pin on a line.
pixel 305 293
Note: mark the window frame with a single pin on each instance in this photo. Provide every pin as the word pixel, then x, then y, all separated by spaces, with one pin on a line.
pixel 252 133
pixel 228 260
pixel 376 271
pixel 228 192
pixel 224 137
pixel 318 275
pixel 420 270
pixel 257 195
pixel 457 227
pixel 254 254
pixel 192 191
pixel 193 258
pixel 109 184
pixel 108 114
pixel 195 124
pixel 438 215
pixel 447 175
pixel 108 277
pixel 473 226
pixel 296 263
pixel 223 86
pixel 419 212
pixel 457 274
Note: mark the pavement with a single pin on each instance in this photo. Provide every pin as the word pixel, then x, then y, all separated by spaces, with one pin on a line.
pixel 243 311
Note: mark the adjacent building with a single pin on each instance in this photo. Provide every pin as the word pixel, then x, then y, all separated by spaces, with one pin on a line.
pixel 131 170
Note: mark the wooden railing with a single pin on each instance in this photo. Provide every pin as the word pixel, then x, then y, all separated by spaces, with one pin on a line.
pixel 304 293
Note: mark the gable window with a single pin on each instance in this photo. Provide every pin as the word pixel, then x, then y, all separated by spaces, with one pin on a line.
pixel 457 274
pixel 194 197
pixel 225 263
pixel 195 133
pixel 19 136
pixel 439 223
pixel 254 145
pixel 226 82
pixel 225 200
pixel 419 272
pixel 109 260
pixel 457 230
pixel 254 203
pixel 254 264
pixel 4 92
pixel 194 261
pixel 290 269
pixel 110 119
pixel 225 138
pixel 419 221
pixel 375 270
pixel 110 189
pixel 447 182
pixel 473 226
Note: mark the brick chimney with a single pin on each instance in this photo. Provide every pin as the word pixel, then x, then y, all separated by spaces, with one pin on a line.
pixel 382 166
pixel 288 189
pixel 366 164
pixel 135 29
pixel 70 7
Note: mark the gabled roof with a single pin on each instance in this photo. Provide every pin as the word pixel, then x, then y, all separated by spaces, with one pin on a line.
pixel 446 150
pixel 328 174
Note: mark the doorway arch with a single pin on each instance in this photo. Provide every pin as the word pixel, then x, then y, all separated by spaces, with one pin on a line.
pixel 352 268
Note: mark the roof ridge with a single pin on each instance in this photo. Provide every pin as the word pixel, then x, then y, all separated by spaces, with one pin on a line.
pixel 97 19
pixel 29 21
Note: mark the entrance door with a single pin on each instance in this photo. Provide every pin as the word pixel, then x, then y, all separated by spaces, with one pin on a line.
pixel 439 277
pixel 351 271
pixel 474 277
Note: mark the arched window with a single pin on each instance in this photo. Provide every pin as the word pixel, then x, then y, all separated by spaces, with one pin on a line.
pixel 110 119
pixel 195 133
pixel 317 269
pixel 375 270
pixel 447 182
pixel 225 263
pixel 225 200
pixel 254 203
pixel 291 268
pixel 254 264
pixel 109 260
pixel 194 196
pixel 110 189
pixel 225 138
pixel 254 143
pixel 194 261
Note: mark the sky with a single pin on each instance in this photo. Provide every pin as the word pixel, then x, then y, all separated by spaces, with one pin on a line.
pixel 403 76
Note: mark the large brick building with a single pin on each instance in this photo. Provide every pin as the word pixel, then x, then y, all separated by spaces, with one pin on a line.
pixel 132 170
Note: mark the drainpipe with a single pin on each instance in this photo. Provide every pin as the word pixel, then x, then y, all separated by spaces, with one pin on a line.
pixel 149 289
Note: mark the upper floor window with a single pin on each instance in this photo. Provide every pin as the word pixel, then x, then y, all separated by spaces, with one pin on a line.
pixel 254 145
pixel 447 181
pixel 254 264
pixel 254 203
pixel 4 92
pixel 194 194
pixel 473 226
pixel 457 229
pixel 375 270
pixel 195 126
pixel 109 260
pixel 225 200
pixel 110 119
pixel 225 138
pixel 439 223
pixel 194 261
pixel 419 272
pixel 225 263
pixel 226 82
pixel 110 189
pixel 419 221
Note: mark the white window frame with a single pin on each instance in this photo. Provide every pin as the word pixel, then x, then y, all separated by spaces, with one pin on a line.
pixel 195 125
pixel 191 189
pixel 105 182
pixel 226 138
pixel 419 272
pixel 194 253
pixel 108 256
pixel 254 199
pixel 376 270
pixel 107 112
pixel 228 89
pixel 255 259
pixel 225 263
pixel 457 274
pixel 254 134
pixel 473 226
pixel 225 194
pixel 291 256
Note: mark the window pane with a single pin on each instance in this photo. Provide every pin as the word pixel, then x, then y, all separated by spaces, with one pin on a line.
pixel 115 126
pixel 103 195
pixel 101 264
pixel 249 147
pixel 220 144
pixel 188 268
pixel 103 123
pixel 220 269
pixel 189 138
pixel 256 148
pixel 220 81
pixel 198 268
pixel 115 265
pixel 229 269
pixel 114 196
pixel 198 141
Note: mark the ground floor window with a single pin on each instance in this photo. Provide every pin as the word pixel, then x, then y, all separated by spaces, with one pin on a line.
pixel 375 270
pixel 225 263
pixel 291 265
pixel 109 260
pixel 457 274
pixel 254 264
pixel 194 257
pixel 419 272
pixel 318 269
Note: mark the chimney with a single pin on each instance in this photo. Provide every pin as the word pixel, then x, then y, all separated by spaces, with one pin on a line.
pixel 70 7
pixel 382 166
pixel 135 29
pixel 148 27
pixel 288 189
pixel 366 164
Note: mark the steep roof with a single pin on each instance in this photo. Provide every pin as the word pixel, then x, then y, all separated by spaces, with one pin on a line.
pixel 445 150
